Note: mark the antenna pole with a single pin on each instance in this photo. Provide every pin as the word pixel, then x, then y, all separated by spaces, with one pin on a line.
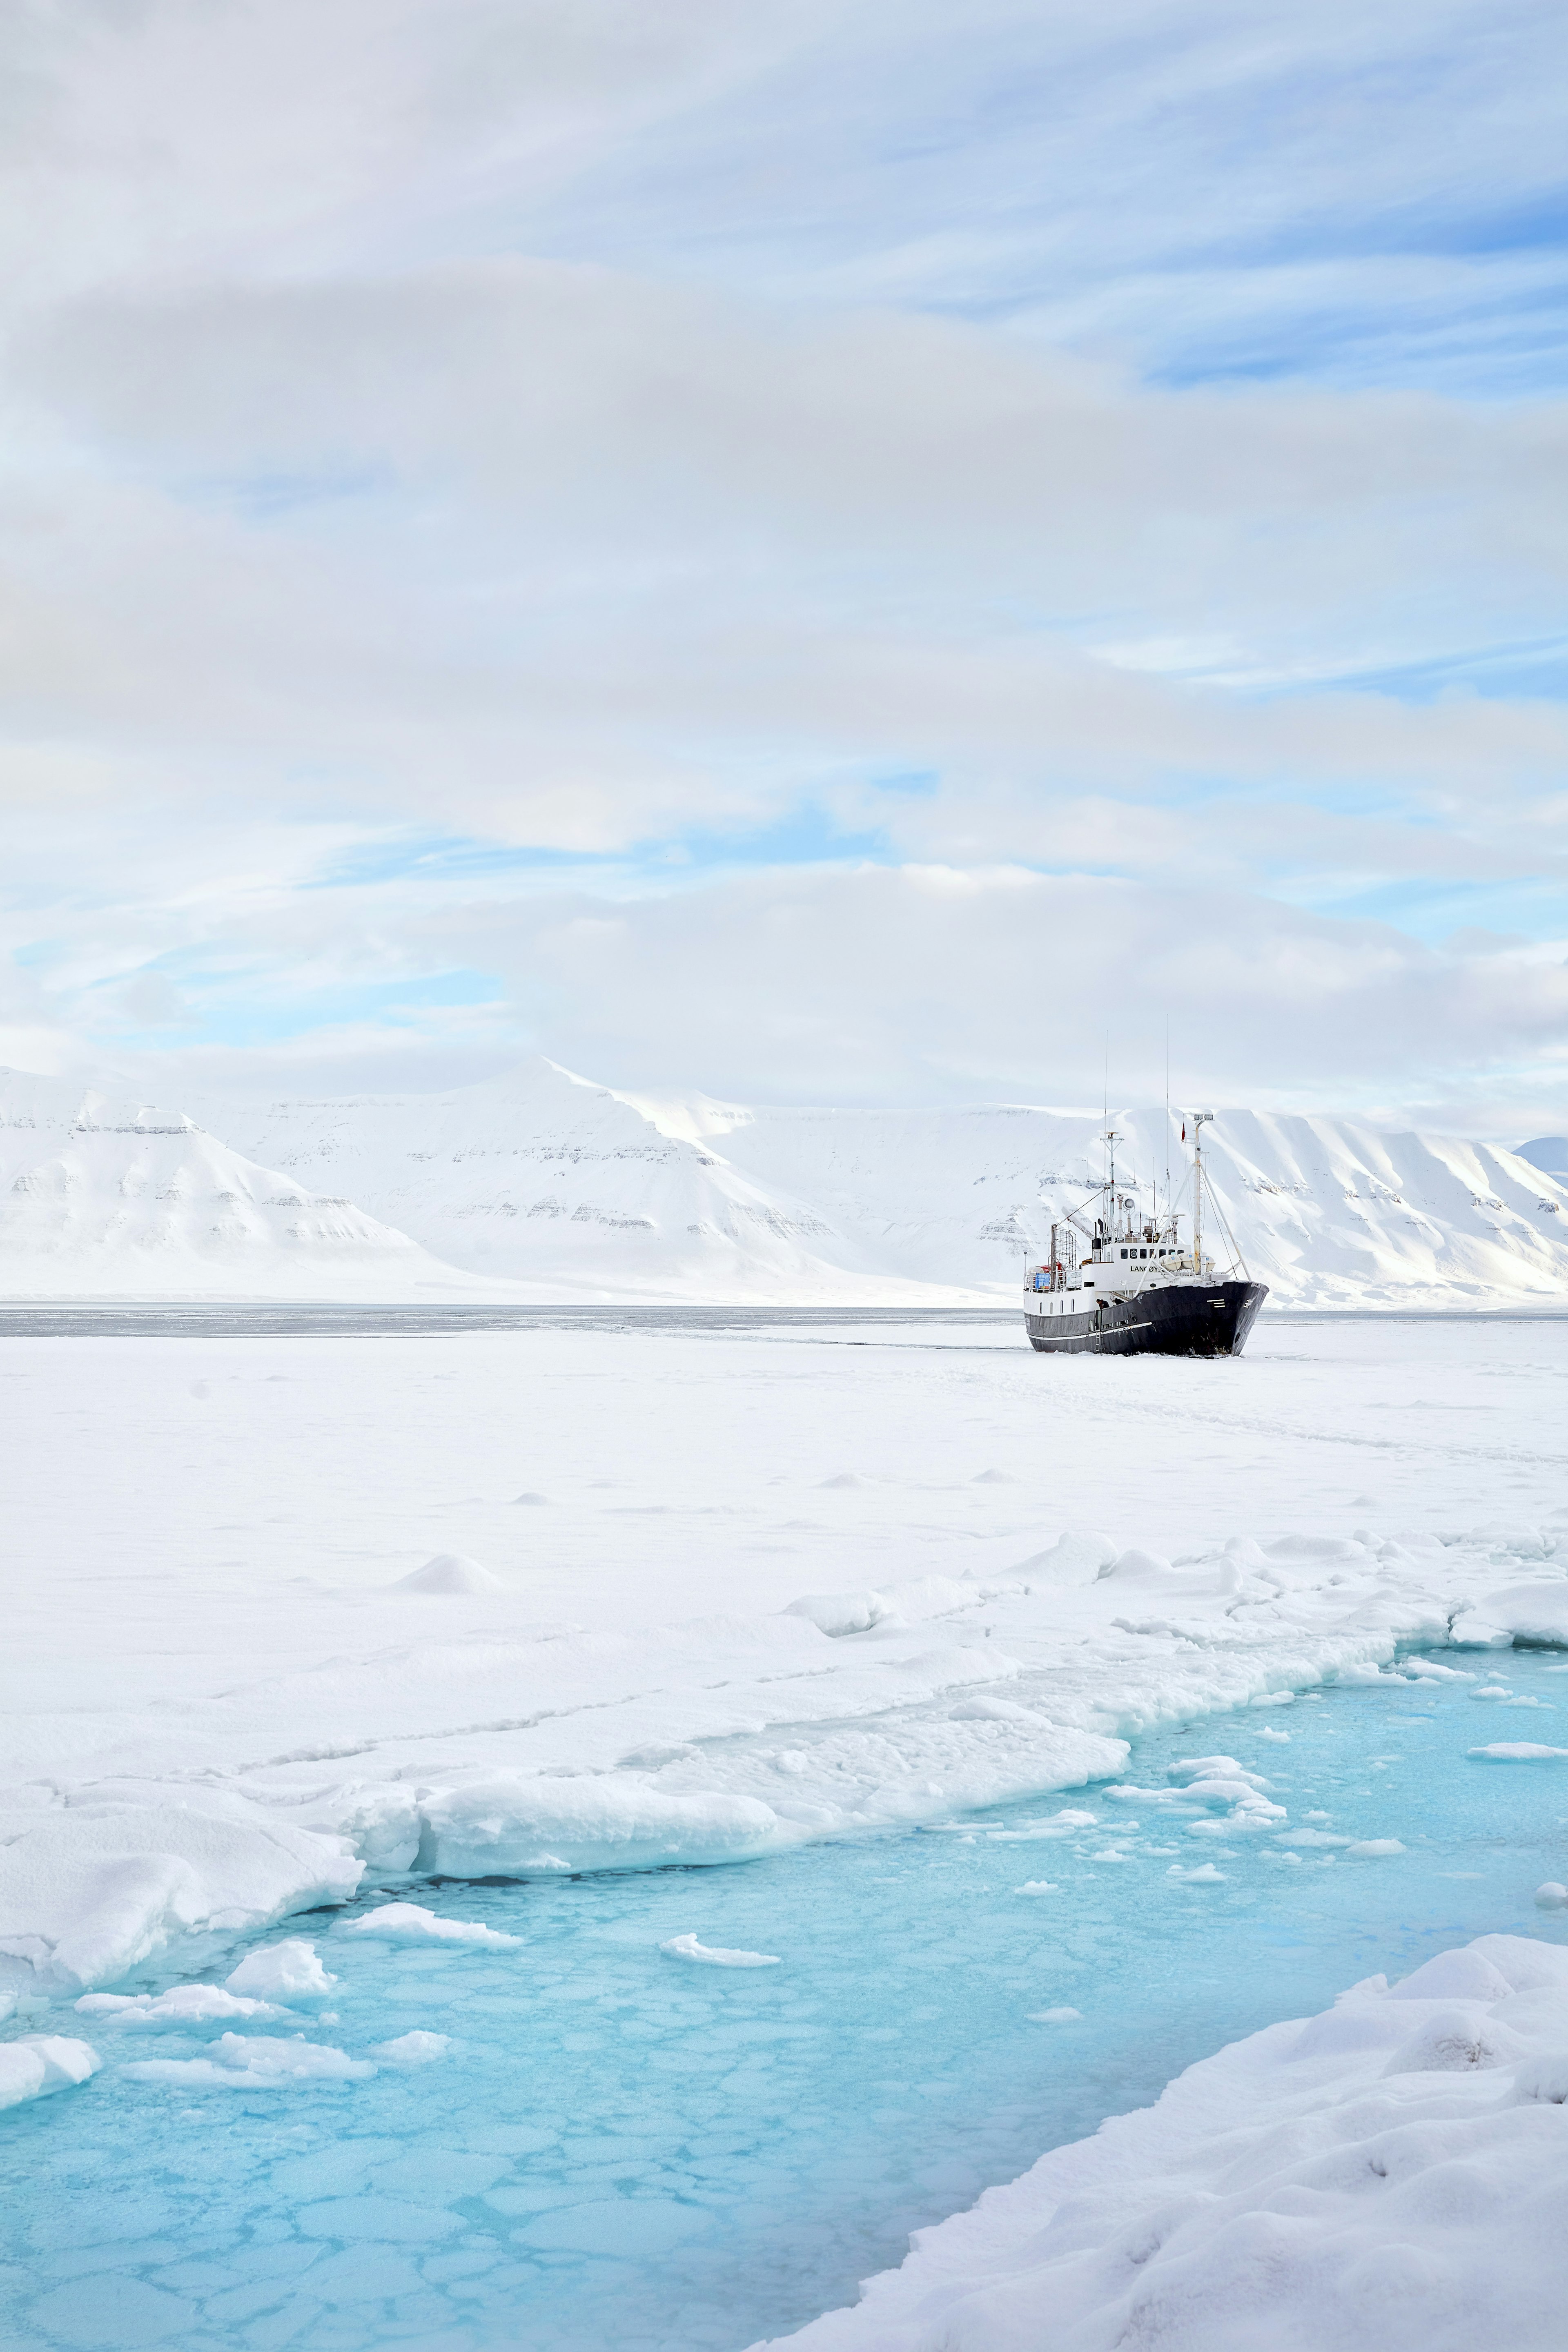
pixel 1167 1117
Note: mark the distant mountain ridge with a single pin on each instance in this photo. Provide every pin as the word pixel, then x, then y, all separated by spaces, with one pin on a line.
pixel 544 1177
pixel 543 1185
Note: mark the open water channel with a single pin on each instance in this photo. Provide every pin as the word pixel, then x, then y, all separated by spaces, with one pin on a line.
pixel 624 2149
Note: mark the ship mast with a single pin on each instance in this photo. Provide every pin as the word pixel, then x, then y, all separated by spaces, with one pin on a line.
pixel 1199 1118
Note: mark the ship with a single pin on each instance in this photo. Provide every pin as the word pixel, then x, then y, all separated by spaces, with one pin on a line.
pixel 1135 1291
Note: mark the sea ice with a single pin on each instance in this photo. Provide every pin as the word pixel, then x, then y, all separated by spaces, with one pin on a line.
pixel 411 1923
pixel 687 1947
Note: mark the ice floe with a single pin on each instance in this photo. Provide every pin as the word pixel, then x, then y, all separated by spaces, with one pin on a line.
pixel 411 1923
pixel 1518 1751
pixel 40 2063
pixel 241 2061
pixel 687 1947
pixel 290 1972
pixel 182 2005
pixel 418 2048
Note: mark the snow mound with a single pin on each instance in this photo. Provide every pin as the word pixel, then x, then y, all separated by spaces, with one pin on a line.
pixel 687 1947
pixel 1078 1557
pixel 290 1972
pixel 411 1923
pixel 239 2062
pixel 41 2063
pixel 450 1572
pixel 836 1613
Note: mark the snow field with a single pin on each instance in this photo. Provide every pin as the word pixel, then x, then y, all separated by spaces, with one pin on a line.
pixel 704 1650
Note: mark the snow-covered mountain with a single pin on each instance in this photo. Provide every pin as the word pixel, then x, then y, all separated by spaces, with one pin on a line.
pixel 546 1179
pixel 106 1198
pixel 1327 1212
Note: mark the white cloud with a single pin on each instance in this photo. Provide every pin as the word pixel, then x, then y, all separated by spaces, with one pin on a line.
pixel 619 433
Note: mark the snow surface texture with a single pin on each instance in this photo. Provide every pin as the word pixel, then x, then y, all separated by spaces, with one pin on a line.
pixel 103 1198
pixel 225 1713
pixel 1388 2177
pixel 578 1191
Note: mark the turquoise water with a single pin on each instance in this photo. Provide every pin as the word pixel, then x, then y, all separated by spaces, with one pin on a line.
pixel 626 2149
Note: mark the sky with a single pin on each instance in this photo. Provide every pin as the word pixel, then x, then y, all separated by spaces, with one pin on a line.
pixel 903 554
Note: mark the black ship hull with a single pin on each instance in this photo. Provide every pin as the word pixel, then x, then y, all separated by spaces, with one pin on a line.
pixel 1195 1318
